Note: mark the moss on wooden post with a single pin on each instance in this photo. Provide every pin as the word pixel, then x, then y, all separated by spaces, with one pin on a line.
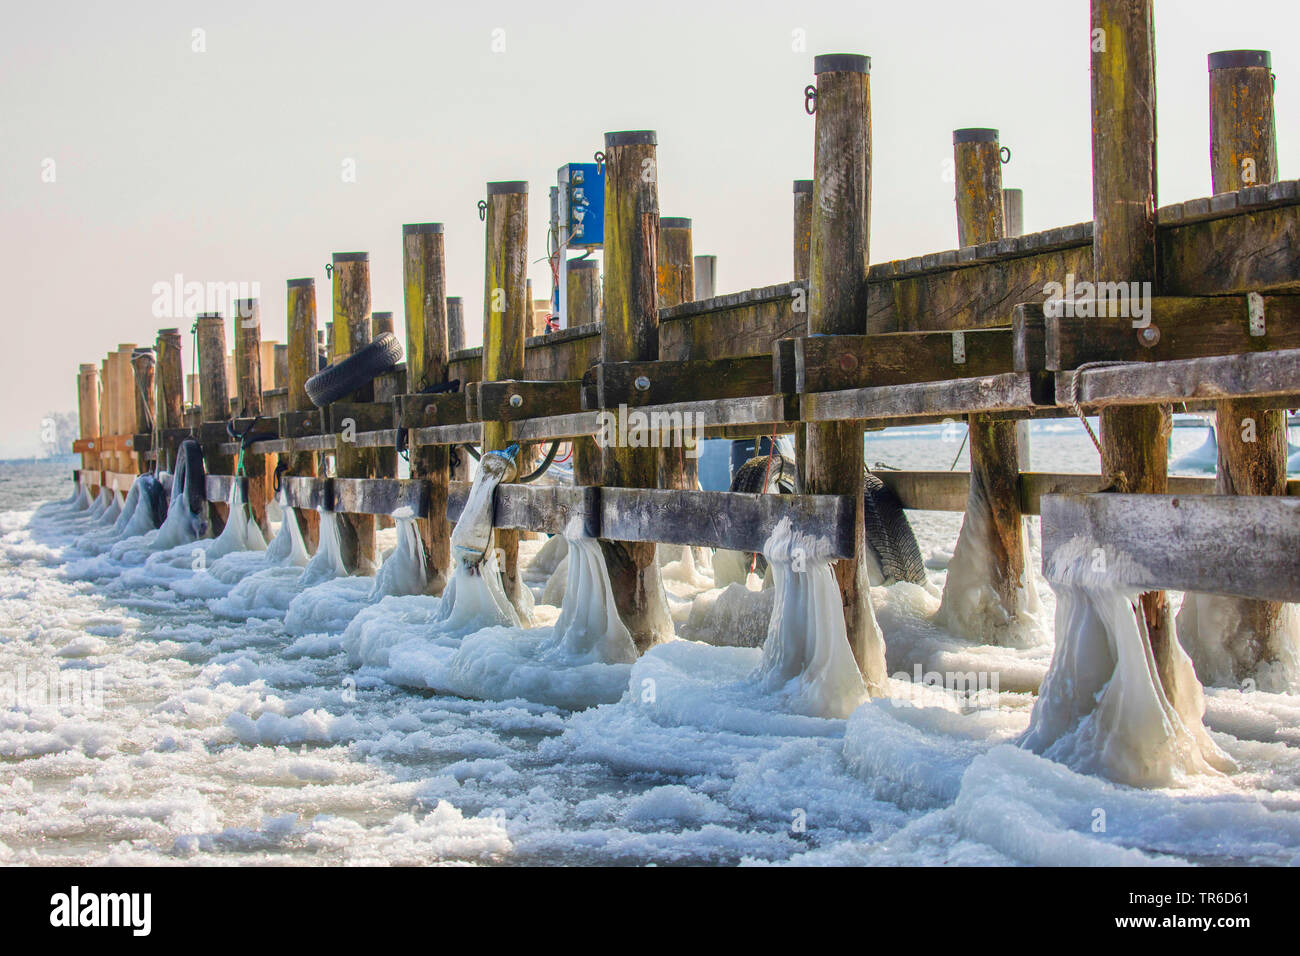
pixel 302 340
pixel 248 386
pixel 583 286
pixel 1134 439
pixel 427 350
pixel 803 205
pixel 351 297
pixel 506 316
pixel 214 398
pixel 993 504
pixel 88 413
pixel 837 305
pixel 676 284
pixel 631 334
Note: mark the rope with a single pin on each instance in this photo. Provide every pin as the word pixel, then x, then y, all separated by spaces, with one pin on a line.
pixel 1115 479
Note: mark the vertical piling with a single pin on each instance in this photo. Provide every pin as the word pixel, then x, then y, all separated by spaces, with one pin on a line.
pixel 88 413
pixel 170 395
pixel 260 469
pixel 455 323
pixel 125 398
pixel 1252 435
pixel 424 275
pixel 631 334
pixel 676 284
pixel 280 366
pixel 837 305
pixel 144 373
pixel 1134 439
pixel 583 297
pixel 1013 213
pixel 706 277
pixel 303 356
pixel 506 314
pixel 803 207
pixel 351 295
pixel 214 399
pixel 993 506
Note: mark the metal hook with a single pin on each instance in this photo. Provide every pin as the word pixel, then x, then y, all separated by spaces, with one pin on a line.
pixel 1005 153
pixel 482 210
pixel 810 99
pixel 329 270
pixel 599 157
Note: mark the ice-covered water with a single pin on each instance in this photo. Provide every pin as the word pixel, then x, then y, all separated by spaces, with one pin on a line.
pixel 228 737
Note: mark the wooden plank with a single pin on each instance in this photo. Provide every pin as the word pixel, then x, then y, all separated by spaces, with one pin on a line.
pixel 1242 545
pixel 993 393
pixel 723 519
pixel 1180 327
pixel 547 508
pixel 827 363
pixel 379 496
pixel 364 416
pixel 468 433
pixel 636 384
pixel 575 425
pixel 218 487
pixel 424 411
pixel 1260 375
pixel 512 400
pixel 306 493
pixel 384 438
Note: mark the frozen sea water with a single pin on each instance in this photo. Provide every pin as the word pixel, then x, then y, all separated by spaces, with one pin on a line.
pixel 222 740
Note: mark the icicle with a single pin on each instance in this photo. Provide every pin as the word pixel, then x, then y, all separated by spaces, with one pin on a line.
pixel 128 509
pixel 403 571
pixel 241 532
pixel 1227 650
pixel 589 627
pixel 327 563
pixel 474 598
pixel 287 548
pixel 807 652
pixel 82 502
pixel 112 512
pixel 101 503
pixel 1103 707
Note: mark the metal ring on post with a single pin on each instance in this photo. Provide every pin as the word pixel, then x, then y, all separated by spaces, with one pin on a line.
pixel 1005 154
pixel 482 210
pixel 810 99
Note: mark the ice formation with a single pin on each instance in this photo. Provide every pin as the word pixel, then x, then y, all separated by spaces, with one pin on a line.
pixel 241 532
pixel 327 563
pixel 288 546
pixel 403 571
pixel 807 653
pixel 1226 650
pixel 181 525
pixel 971 606
pixel 589 628
pixel 1103 707
pixel 1203 458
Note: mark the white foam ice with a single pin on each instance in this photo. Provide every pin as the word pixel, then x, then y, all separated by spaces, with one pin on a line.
pixel 1227 649
pixel 1104 706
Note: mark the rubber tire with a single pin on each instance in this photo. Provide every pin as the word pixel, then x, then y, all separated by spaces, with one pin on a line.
pixel 189 460
pixel 153 496
pixel 356 371
pixel 782 479
pixel 889 533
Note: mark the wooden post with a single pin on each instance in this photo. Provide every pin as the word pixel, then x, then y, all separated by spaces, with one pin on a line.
pixel 1252 436
pixel 352 332
pixel 583 284
pixel 1013 213
pixel 803 206
pixel 506 312
pixel 380 322
pixel 248 384
pixel 1134 438
pixel 303 357
pixel 455 323
pixel 215 400
pixel 125 399
pixel 386 457
pixel 194 389
pixel 280 366
pixel 631 334
pixel 993 503
pixel 706 277
pixel 837 305
pixel 425 298
pixel 88 412
pixel 144 369
pixel 169 401
pixel 676 284
pixel 105 409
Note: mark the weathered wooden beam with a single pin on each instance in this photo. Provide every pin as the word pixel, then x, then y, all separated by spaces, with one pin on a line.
pixel 1175 327
pixel 379 496
pixel 826 363
pixel 992 393
pixel 217 487
pixel 1241 545
pixel 509 401
pixel 803 205
pixel 357 417
pixel 426 410
pixel 306 493
pixel 1249 375
pixel 637 384
pixel 547 508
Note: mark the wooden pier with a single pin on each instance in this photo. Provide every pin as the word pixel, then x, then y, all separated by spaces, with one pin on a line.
pixel 973 333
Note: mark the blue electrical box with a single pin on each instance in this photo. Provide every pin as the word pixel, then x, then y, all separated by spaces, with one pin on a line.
pixel 583 204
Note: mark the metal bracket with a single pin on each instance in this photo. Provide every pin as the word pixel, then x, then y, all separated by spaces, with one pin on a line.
pixel 1255 310
pixel 959 348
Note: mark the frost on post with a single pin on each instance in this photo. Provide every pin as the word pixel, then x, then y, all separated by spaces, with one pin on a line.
pixel 327 563
pixel 403 571
pixel 1104 707
pixel 807 653
pixel 588 628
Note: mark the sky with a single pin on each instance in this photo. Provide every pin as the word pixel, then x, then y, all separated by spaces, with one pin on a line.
pixel 133 148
